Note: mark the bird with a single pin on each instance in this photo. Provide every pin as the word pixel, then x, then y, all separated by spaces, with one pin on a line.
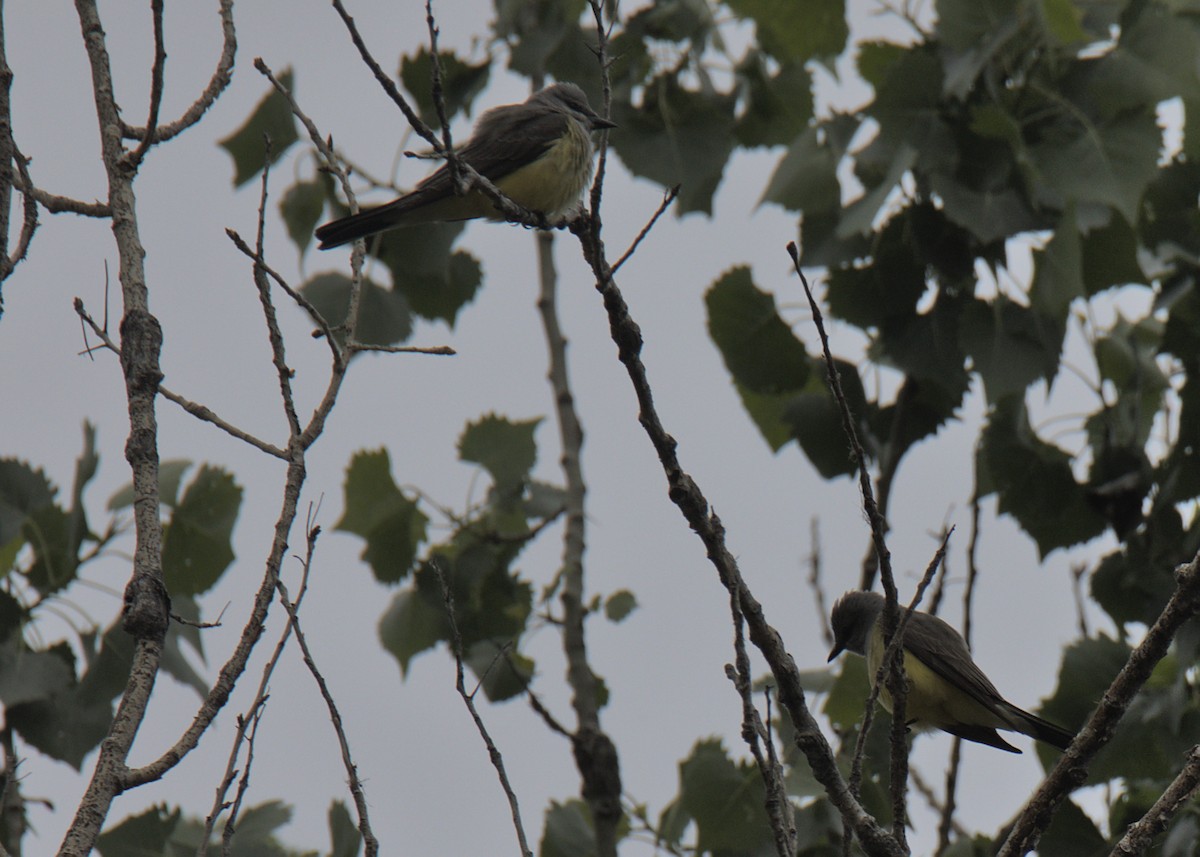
pixel 538 153
pixel 946 689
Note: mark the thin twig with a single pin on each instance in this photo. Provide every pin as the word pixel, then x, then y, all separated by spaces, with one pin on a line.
pixel 895 681
pixel 134 158
pixel 778 806
pixel 261 280
pixel 433 350
pixel 243 787
pixel 605 110
pixel 925 790
pixel 814 580
pixel 457 181
pixel 668 197
pixel 201 412
pixel 217 83
pixel 468 699
pixel 301 301
pixel 598 765
pixel 946 823
pixel 1139 835
pixel 335 718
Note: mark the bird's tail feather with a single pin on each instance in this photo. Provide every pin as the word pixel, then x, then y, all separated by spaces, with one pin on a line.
pixel 354 226
pixel 1042 730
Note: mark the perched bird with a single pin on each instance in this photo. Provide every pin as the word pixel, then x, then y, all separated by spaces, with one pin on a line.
pixel 946 690
pixel 539 153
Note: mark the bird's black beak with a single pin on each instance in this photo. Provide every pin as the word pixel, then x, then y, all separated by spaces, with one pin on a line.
pixel 600 123
pixel 837 649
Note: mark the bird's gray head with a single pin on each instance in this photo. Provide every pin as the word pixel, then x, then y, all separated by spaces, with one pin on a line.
pixel 852 618
pixel 570 99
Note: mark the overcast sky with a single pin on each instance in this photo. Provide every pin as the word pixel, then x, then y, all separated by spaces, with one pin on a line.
pixel 425 769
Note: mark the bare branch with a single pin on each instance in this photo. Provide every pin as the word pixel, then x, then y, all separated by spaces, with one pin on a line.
pixel 668 197
pixel 201 412
pixel 134 159
pixel 1071 770
pixel 335 718
pixel 220 79
pixel 1138 836
pixel 754 732
pixel 434 350
pixel 468 699
pixel 687 496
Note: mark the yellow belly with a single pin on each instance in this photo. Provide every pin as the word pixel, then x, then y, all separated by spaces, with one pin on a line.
pixel 551 185
pixel 932 701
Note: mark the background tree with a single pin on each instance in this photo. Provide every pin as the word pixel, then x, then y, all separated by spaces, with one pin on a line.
pixel 991 129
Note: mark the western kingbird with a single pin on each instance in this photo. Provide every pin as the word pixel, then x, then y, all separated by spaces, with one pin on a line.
pixel 539 153
pixel 946 690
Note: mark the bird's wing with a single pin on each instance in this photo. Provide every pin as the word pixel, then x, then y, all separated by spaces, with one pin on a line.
pixel 502 146
pixel 943 650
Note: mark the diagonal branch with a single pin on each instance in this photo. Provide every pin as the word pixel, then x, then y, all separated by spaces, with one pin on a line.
pixel 1071 770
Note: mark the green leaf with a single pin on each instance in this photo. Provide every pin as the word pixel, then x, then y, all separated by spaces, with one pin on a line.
pixel 1071 834
pixel 568 831
pixel 1110 257
pixel 378 511
pixel 976 33
pixel 383 315
pixel 461 82
pixel 23 491
pixel 502 672
pixel 301 208
pixel 677 137
pixel 816 420
pixel 859 216
pixel 797 30
pixel 619 605
pixel 55 556
pixel 147 833
pixel 411 625
pixel 806 179
pixel 535 29
pixel 991 213
pixel 343 832
pixel 769 413
pixel 1034 481
pixel 257 824
pixel 1063 21
pixel 845 704
pixel 435 282
pixel 1154 60
pixel 1170 222
pixel 673 21
pixel 1011 346
pixel 504 448
pixel 1058 270
pixel 70 723
pixel 197 543
pixel 1134 583
pixel 758 347
pixel 1109 164
pixel 778 106
pixel 876 60
pixel 886 292
pixel 272 118
pixel 170 476
pixel 726 800
pixel 30 676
